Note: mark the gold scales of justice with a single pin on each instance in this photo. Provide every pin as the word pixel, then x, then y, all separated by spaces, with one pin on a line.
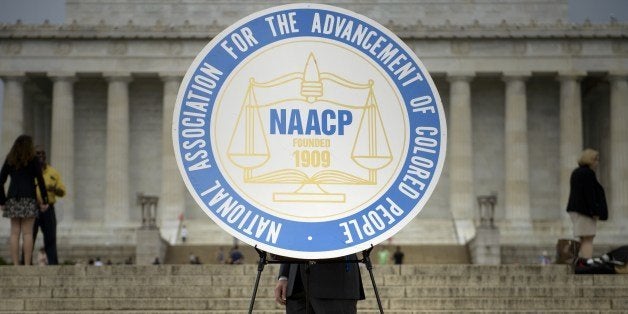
pixel 248 147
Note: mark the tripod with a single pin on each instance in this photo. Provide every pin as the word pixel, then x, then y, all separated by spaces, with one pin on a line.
pixel 263 260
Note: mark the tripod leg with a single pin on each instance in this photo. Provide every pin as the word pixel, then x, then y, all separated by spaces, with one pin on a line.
pixel 369 266
pixel 260 268
pixel 307 288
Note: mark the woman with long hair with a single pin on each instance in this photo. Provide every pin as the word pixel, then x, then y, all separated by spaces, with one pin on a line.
pixel 587 203
pixel 20 203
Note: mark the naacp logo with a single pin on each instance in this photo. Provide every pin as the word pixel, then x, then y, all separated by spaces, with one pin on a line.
pixel 309 131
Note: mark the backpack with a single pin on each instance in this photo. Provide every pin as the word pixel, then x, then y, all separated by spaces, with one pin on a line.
pixel 613 262
pixel 619 254
pixel 566 251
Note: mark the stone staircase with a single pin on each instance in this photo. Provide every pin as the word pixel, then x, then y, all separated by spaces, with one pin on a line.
pixel 227 289
pixel 414 254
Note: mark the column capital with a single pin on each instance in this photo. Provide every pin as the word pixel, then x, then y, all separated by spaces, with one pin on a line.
pixel 516 76
pixel 170 76
pixel 117 76
pixel 617 76
pixel 62 76
pixel 571 75
pixel 466 76
pixel 13 76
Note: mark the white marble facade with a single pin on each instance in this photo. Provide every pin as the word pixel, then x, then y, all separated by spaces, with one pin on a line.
pixel 523 90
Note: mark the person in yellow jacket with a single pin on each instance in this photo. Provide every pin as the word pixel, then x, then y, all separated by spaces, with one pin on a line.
pixel 47 220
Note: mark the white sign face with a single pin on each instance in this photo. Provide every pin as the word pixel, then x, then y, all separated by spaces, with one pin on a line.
pixel 309 131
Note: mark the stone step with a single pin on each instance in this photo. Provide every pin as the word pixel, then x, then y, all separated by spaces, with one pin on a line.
pixel 475 269
pixel 244 275
pixel 460 304
pixel 208 291
pixel 72 254
pixel 132 270
pixel 362 311
pixel 116 304
pixel 488 303
pixel 414 254
pixel 271 270
pixel 530 254
pixel 233 280
pixel 118 281
pixel 474 280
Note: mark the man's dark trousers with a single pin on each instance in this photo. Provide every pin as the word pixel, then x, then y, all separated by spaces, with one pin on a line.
pixel 332 288
pixel 47 221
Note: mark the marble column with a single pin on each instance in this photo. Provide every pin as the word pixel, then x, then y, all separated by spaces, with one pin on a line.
pixel 12 119
pixel 461 197
pixel 62 140
pixel 12 109
pixel 618 189
pixel 517 194
pixel 117 200
pixel 173 190
pixel 570 135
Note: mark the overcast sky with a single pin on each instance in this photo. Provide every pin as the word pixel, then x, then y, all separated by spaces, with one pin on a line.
pixel 36 11
pixel 32 11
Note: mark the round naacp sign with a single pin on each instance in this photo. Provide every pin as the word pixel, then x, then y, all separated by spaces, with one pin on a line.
pixel 309 131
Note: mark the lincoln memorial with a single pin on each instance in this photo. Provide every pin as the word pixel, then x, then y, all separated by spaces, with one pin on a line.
pixel 524 92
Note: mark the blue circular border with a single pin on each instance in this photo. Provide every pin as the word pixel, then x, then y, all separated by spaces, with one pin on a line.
pixel 327 237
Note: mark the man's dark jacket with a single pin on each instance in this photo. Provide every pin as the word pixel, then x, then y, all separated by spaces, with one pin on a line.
pixel 326 280
pixel 586 195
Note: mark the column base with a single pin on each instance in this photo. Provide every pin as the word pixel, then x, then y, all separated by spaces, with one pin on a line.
pixel 485 247
pixel 465 230
pixel 170 230
pixel 517 230
pixel 95 233
pixel 149 246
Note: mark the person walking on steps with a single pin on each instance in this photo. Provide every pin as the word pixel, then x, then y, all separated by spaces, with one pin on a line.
pixel 20 203
pixel 184 234
pixel 398 256
pixel 47 220
pixel 587 204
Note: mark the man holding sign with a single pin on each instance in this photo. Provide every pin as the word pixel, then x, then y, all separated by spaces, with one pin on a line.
pixel 310 132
